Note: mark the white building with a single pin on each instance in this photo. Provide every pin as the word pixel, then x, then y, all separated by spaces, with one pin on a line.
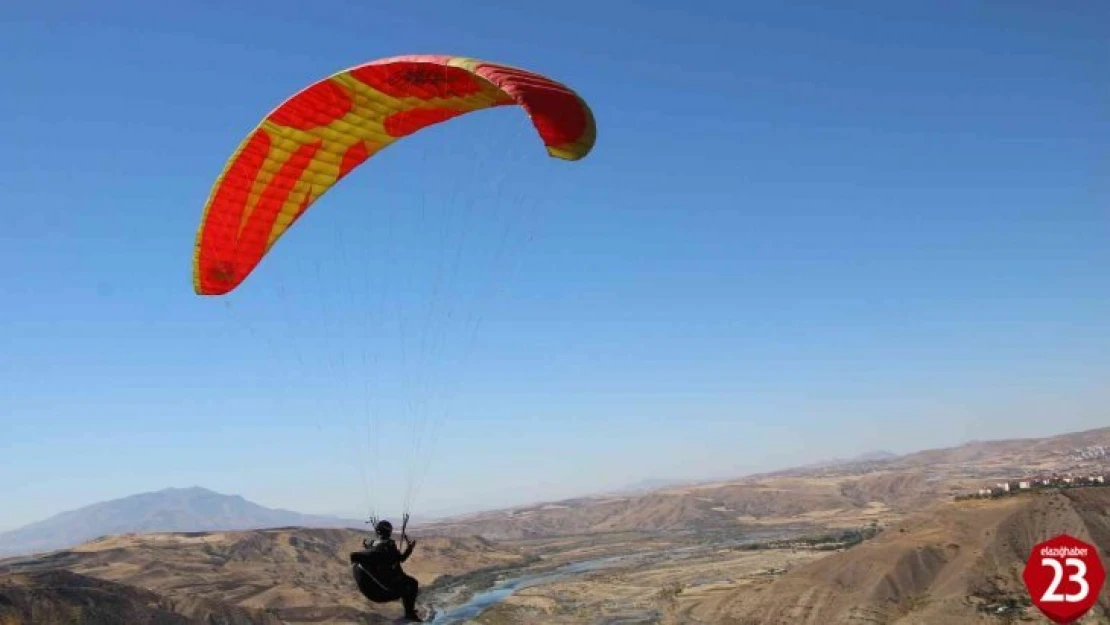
pixel 1024 485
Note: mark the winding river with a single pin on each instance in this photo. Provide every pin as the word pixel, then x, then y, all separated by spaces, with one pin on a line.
pixel 503 589
pixel 500 591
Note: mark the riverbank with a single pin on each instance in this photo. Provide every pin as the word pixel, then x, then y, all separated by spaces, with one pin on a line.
pixel 655 590
pixel 627 577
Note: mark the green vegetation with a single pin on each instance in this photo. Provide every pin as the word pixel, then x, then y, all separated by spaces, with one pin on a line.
pixel 831 541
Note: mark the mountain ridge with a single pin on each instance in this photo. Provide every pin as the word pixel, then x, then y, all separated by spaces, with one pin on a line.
pixel 842 495
pixel 172 509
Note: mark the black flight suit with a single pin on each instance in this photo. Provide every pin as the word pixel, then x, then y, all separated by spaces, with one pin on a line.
pixel 377 571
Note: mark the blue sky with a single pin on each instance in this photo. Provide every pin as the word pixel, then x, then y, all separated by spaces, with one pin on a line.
pixel 805 232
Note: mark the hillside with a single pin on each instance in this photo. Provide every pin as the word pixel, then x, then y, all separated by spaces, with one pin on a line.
pixel 842 494
pixel 948 564
pixel 169 510
pixel 1074 451
pixel 300 575
pixel 690 508
pixel 61 597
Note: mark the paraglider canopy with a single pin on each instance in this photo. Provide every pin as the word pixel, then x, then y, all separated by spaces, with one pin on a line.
pixel 315 138
pixel 384 354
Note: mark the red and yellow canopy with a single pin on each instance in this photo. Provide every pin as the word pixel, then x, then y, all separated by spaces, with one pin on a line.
pixel 315 138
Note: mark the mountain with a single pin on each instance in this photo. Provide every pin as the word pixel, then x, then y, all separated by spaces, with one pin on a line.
pixel 1074 451
pixel 855 462
pixel 956 562
pixel 866 457
pixel 649 484
pixel 874 456
pixel 169 510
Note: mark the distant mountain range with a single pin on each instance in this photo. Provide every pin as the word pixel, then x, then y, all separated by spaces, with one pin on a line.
pixel 169 510
pixel 650 484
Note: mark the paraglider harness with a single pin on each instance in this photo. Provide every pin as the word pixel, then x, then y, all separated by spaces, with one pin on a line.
pixel 380 591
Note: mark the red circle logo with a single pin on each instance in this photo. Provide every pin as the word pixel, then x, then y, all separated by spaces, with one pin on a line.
pixel 1064 577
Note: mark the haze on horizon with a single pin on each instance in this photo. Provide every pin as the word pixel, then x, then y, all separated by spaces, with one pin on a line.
pixel 805 233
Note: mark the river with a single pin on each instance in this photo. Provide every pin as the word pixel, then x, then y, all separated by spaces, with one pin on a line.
pixel 503 589
pixel 500 591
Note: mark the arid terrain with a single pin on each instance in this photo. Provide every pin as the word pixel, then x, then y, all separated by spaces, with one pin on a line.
pixel 294 575
pixel 61 596
pixel 843 494
pixel 878 541
pixel 950 563
pixel 955 563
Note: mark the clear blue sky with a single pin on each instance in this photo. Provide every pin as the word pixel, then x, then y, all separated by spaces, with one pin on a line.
pixel 805 232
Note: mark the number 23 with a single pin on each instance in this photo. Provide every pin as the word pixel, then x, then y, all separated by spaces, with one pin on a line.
pixel 1080 577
